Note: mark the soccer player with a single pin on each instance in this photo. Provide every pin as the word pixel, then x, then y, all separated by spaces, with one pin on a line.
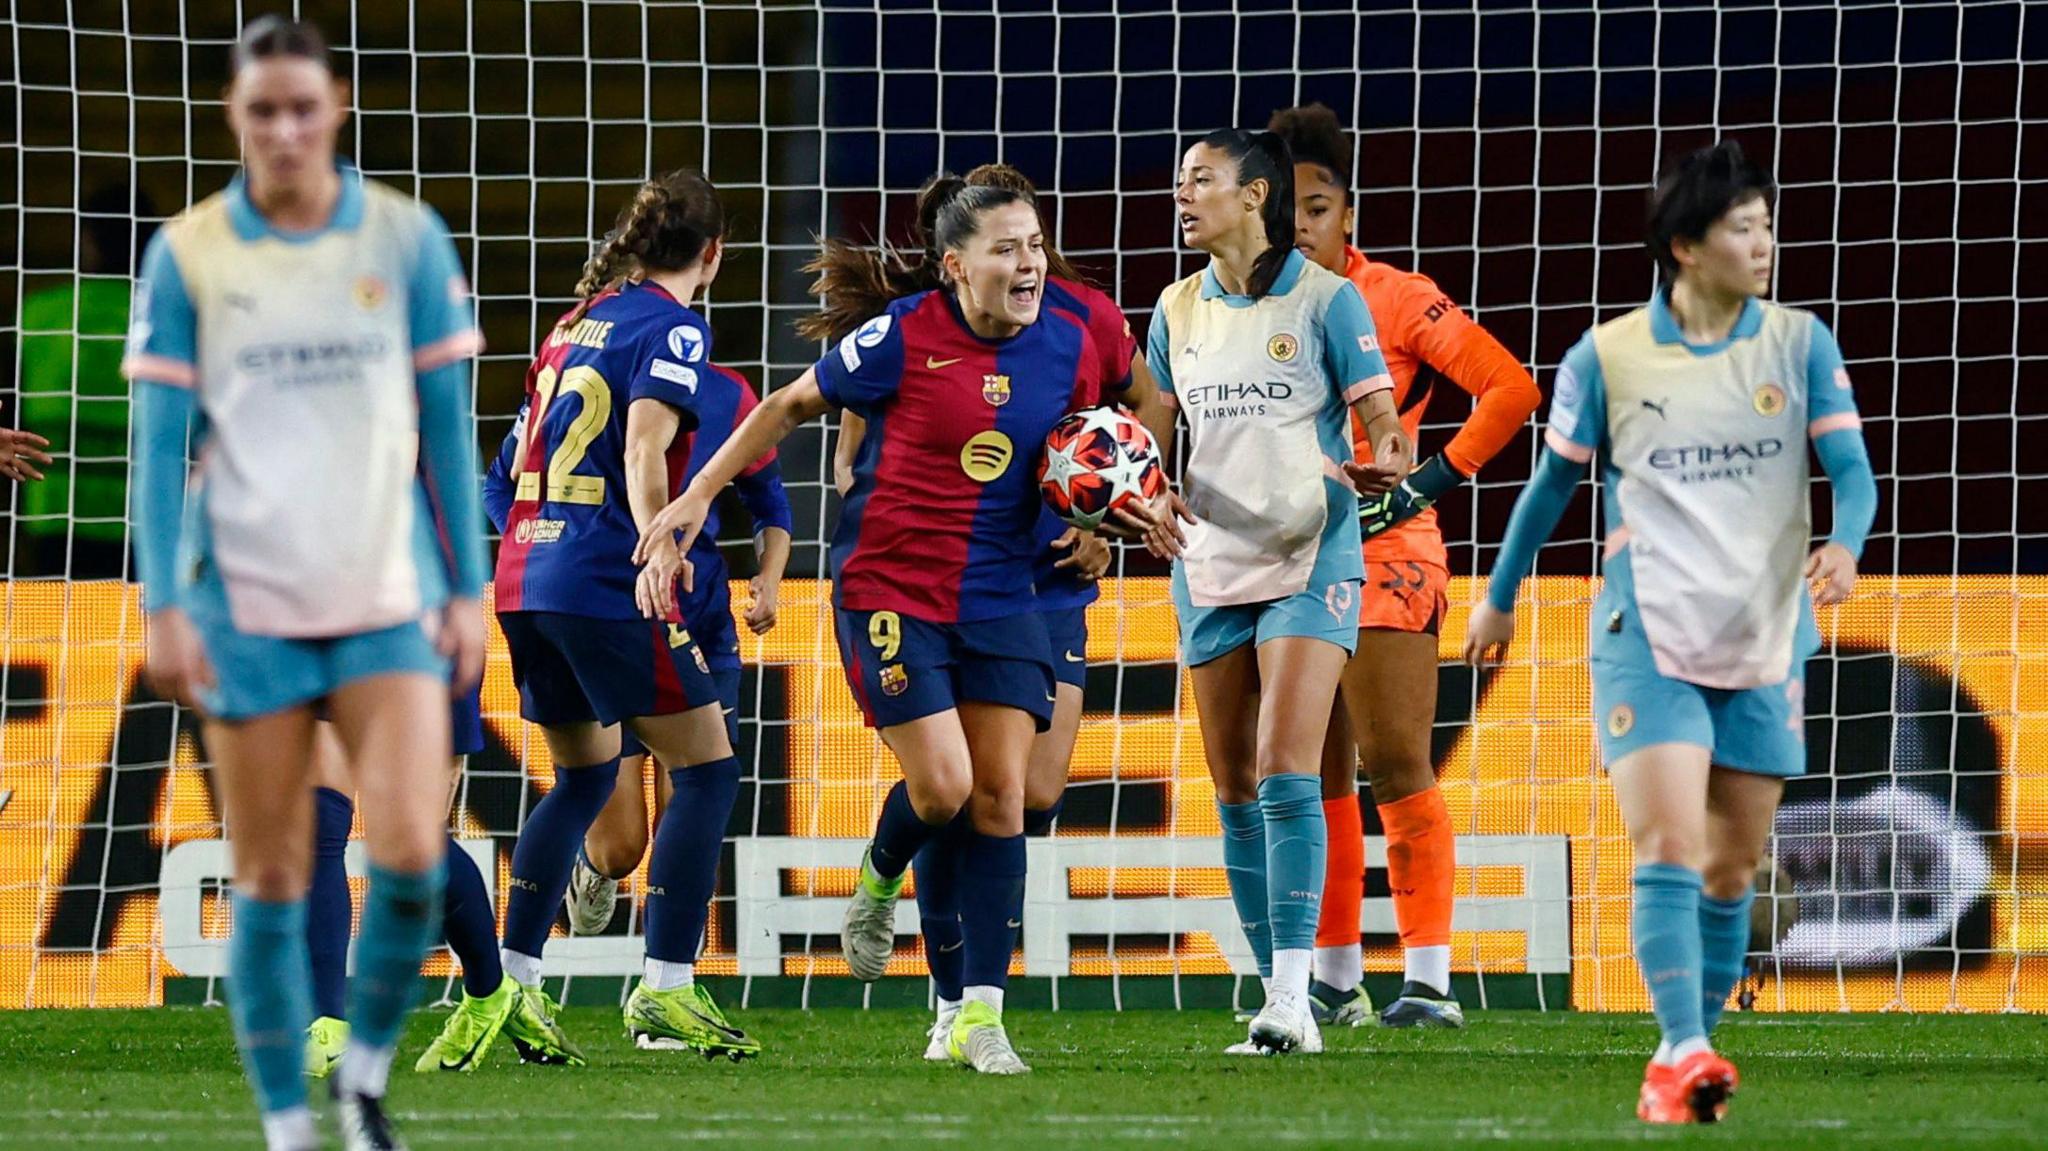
pixel 931 559
pixel 334 549
pixel 1064 574
pixel 596 642
pixel 616 842
pixel 1389 687
pixel 1267 354
pixel 1699 404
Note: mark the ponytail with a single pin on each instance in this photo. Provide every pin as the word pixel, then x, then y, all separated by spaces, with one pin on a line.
pixel 856 284
pixel 1264 156
pixel 666 227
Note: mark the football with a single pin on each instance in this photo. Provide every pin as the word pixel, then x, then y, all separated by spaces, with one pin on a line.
pixel 1097 460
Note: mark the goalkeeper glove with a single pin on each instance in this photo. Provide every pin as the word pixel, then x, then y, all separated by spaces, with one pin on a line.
pixel 1414 496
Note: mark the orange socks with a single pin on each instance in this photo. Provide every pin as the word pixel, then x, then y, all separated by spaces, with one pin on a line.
pixel 1338 958
pixel 1343 873
pixel 1422 858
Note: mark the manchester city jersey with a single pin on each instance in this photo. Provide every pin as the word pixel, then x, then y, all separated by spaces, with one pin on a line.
pixel 1265 386
pixel 1706 466
pixel 312 501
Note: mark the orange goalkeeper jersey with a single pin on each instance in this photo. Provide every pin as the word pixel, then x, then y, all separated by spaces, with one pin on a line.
pixel 1426 338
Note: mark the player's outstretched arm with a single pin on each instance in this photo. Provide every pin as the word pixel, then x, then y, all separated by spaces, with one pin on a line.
pixel 768 425
pixel 1537 510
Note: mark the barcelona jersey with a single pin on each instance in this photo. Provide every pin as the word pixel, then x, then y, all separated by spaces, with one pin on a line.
pixel 569 534
pixel 939 523
pixel 1058 590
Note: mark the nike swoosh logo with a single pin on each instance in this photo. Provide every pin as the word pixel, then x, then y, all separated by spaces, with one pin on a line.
pixel 467 1056
pixel 950 950
pixel 933 363
pixel 715 1025
pixel 1072 658
pixel 1015 923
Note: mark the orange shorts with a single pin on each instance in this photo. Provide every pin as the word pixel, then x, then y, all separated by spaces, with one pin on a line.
pixel 1404 595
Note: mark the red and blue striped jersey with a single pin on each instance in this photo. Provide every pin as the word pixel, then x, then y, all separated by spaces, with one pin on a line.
pixel 939 524
pixel 569 534
pixel 1057 588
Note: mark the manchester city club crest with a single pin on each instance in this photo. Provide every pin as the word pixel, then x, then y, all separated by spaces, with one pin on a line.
pixel 370 293
pixel 1769 400
pixel 995 389
pixel 1283 348
pixel 1621 720
pixel 894 679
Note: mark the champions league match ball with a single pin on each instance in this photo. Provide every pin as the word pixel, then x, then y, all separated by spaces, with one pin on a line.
pixel 1096 461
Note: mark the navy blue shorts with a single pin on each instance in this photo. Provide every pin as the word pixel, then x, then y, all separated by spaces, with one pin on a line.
pixel 1067 629
pixel 577 669
pixel 903 669
pixel 728 684
pixel 466 721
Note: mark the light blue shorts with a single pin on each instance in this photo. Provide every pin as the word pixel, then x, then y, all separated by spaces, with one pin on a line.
pixel 260 674
pixel 1328 613
pixel 1760 730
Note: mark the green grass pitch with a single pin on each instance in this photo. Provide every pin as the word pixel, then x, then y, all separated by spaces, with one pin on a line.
pixel 168 1077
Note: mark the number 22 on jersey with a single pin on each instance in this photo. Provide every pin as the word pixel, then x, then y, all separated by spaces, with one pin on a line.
pixel 563 486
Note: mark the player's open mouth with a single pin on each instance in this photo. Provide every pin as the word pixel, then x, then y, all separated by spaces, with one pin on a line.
pixel 1187 221
pixel 1023 294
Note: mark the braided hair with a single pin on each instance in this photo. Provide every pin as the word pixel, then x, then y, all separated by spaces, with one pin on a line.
pixel 666 227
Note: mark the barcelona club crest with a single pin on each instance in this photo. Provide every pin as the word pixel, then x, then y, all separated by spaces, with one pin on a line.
pixel 995 389
pixel 370 293
pixel 1769 400
pixel 894 679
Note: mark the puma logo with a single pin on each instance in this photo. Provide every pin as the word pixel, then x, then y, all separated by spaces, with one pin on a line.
pixel 933 363
pixel 1658 408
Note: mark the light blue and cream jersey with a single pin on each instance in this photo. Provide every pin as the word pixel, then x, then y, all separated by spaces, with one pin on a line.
pixel 309 500
pixel 1706 469
pixel 1266 387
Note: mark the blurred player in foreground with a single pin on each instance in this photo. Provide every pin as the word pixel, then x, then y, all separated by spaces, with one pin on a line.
pixel 1701 404
pixel 333 549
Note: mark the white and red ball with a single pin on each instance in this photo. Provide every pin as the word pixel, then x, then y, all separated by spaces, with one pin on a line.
pixel 1096 461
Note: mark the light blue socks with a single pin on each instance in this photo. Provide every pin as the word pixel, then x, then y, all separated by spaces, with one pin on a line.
pixel 1667 940
pixel 270 997
pixel 1724 947
pixel 1244 863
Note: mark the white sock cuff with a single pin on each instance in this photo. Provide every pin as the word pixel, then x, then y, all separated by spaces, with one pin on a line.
pixel 366 1070
pixel 1342 966
pixel 993 996
pixel 1291 967
pixel 661 975
pixel 524 969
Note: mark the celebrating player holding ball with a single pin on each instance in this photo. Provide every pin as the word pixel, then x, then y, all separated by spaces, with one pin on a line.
pixel 1067 562
pixel 1389 689
pixel 1266 353
pixel 932 558
pixel 1702 630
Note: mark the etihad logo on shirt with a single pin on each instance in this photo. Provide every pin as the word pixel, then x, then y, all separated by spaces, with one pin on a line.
pixel 313 363
pixel 1699 463
pixel 995 389
pixel 987 456
pixel 1232 401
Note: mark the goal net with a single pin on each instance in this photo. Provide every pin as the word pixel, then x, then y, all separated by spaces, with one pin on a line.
pixel 1502 150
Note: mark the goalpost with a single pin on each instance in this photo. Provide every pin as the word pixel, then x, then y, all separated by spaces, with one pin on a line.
pixel 1503 150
